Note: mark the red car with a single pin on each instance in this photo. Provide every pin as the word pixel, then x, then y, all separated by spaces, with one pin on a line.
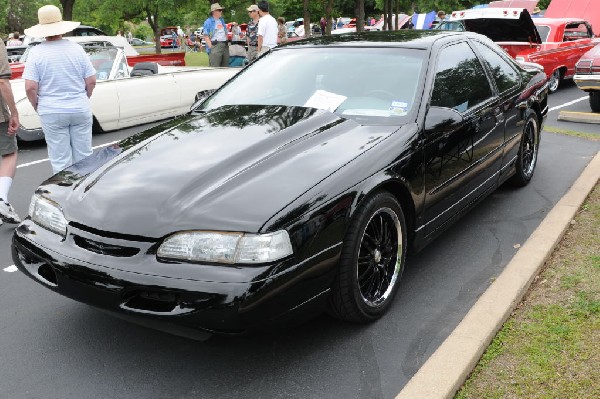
pixel 554 43
pixel 243 29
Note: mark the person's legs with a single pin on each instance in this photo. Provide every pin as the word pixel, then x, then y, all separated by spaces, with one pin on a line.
pixel 81 135
pixel 56 132
pixel 216 55
pixel 8 166
pixel 225 57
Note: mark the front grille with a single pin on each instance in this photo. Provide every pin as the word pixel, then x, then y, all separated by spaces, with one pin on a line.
pixel 105 248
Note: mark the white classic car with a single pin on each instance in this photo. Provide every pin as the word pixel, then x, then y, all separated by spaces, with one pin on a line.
pixel 126 96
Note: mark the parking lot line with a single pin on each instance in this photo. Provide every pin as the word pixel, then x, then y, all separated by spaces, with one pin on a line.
pixel 568 103
pixel 46 159
pixel 10 269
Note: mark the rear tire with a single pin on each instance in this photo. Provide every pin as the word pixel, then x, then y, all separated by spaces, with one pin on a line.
pixel 595 101
pixel 372 261
pixel 528 151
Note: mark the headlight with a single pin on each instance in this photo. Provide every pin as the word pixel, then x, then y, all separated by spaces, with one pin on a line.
pixel 47 214
pixel 224 247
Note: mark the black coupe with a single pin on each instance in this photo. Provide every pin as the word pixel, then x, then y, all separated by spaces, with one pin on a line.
pixel 297 187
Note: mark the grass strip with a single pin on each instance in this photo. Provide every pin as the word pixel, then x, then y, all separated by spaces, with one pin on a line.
pixel 548 348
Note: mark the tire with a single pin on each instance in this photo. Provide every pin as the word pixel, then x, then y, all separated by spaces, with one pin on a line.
pixel 595 101
pixel 372 261
pixel 96 126
pixel 528 151
pixel 554 81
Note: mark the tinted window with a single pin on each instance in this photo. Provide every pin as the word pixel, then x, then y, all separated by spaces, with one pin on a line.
pixel 504 74
pixel 460 81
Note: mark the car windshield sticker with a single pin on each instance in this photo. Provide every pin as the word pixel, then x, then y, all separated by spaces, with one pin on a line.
pixel 322 99
pixel 399 107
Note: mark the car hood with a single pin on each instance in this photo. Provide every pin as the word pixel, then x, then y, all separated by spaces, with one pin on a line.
pixel 229 169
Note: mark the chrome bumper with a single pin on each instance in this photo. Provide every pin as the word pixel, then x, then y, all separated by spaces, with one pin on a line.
pixel 587 82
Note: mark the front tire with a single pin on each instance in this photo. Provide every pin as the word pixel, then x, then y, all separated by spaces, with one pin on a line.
pixel 595 101
pixel 554 81
pixel 372 261
pixel 528 151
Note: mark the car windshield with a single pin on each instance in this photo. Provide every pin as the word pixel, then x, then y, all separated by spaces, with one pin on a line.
pixel 543 32
pixel 102 59
pixel 369 85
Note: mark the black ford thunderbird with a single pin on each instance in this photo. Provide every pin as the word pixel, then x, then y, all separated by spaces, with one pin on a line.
pixel 297 187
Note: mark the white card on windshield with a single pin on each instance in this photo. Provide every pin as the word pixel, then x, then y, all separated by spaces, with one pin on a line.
pixel 325 100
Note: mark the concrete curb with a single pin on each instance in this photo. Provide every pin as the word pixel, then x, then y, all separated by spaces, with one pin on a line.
pixel 450 365
pixel 581 117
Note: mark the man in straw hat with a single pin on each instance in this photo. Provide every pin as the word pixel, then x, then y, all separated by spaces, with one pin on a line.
pixel 215 36
pixel 59 80
pixel 9 123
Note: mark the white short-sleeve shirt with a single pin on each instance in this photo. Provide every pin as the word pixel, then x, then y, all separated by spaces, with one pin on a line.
pixel 267 28
pixel 60 68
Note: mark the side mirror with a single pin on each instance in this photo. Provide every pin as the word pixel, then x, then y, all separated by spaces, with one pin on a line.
pixel 442 119
pixel 200 97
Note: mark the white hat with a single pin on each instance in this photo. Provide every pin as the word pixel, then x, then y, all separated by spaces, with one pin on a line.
pixel 216 6
pixel 253 7
pixel 50 23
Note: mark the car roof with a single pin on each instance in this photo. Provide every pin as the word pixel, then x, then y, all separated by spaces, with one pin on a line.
pixel 409 38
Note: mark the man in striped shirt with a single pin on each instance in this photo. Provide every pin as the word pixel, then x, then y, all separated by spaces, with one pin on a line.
pixel 59 80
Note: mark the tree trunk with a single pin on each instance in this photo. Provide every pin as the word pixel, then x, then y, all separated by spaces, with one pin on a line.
pixel 359 11
pixel 385 13
pixel 152 16
pixel 307 30
pixel 67 11
pixel 328 10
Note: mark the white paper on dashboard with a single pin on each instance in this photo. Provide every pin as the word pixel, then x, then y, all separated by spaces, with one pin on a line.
pixel 322 99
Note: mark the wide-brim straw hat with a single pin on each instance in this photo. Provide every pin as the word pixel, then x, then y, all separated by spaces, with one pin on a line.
pixel 50 23
pixel 216 6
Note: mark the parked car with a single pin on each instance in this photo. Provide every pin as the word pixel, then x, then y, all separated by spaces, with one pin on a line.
pixel 133 57
pixel 139 42
pixel 127 96
pixel 555 43
pixel 271 206
pixel 587 76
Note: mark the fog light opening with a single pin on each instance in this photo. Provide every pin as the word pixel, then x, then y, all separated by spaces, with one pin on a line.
pixel 47 274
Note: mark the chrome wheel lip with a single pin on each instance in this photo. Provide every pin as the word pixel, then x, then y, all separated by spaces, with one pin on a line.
pixel 393 268
pixel 529 148
pixel 554 81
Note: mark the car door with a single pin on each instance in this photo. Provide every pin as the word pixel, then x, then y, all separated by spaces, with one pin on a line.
pixel 461 161
pixel 148 98
pixel 508 84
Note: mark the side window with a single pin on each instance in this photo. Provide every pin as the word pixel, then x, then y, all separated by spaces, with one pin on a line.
pixel 576 31
pixel 504 74
pixel 460 81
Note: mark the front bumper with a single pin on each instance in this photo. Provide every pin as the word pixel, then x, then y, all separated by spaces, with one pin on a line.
pixel 30 134
pixel 587 82
pixel 253 298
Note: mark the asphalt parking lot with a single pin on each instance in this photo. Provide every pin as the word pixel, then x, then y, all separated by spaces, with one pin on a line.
pixel 53 347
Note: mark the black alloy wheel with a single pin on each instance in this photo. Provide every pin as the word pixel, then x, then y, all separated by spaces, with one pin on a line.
pixel 372 261
pixel 528 151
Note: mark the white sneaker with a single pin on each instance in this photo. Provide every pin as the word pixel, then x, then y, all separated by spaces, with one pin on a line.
pixel 7 213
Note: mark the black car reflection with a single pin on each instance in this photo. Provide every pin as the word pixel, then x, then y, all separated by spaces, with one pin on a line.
pixel 297 187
